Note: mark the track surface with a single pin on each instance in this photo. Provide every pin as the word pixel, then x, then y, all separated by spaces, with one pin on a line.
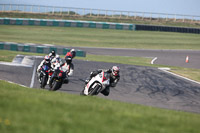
pixel 164 57
pixel 139 85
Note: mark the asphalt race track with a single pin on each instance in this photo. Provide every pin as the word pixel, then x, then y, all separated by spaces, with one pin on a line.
pixel 138 85
pixel 164 57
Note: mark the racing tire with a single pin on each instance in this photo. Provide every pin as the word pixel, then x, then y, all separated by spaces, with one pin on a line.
pixel 43 82
pixel 92 92
pixel 55 85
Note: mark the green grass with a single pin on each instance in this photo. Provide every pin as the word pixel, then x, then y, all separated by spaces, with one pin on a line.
pixel 32 110
pixel 8 56
pixel 87 37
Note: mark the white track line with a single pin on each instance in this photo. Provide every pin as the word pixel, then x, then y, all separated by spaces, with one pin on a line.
pixel 14 83
pixel 154 60
pixel 14 64
pixel 179 76
pixel 33 76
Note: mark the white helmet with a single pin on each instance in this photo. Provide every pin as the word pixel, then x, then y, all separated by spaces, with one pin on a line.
pixel 115 70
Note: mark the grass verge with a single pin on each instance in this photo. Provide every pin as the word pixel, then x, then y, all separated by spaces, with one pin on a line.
pixel 30 110
pixel 87 37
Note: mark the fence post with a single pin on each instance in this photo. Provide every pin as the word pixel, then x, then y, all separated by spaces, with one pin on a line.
pixel 31 9
pixel 183 18
pixel 76 12
pixel 68 11
pixel 53 10
pixel 38 9
pixel 127 14
pixel 10 7
pixel 106 14
pixel 90 12
pixel 17 8
pixel 24 8
pixel 175 17
pixel 3 8
pixel 135 15
pixel 83 11
pixel 150 16
pixel 98 13
pixel 167 17
pixel 143 16
pixel 61 11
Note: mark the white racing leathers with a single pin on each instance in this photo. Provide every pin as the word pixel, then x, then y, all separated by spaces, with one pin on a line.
pixel 68 68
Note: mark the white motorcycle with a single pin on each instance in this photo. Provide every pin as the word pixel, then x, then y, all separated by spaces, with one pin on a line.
pixel 97 84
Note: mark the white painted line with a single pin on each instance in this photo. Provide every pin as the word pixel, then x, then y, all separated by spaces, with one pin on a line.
pixel 14 83
pixel 180 76
pixel 14 64
pixel 164 68
pixel 154 60
pixel 33 76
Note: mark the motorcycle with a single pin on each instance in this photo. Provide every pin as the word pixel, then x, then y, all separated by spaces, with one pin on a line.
pixel 97 84
pixel 43 75
pixel 57 79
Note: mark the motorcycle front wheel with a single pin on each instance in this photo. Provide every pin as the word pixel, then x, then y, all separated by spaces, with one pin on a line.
pixel 55 85
pixel 43 82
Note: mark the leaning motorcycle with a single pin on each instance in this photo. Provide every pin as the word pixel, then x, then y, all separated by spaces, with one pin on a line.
pixel 57 79
pixel 97 84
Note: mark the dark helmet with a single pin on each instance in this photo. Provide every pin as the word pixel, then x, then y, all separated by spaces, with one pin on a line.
pixel 68 59
pixel 115 70
pixel 53 53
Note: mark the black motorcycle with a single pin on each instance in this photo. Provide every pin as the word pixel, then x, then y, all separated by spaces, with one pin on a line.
pixel 43 76
pixel 57 79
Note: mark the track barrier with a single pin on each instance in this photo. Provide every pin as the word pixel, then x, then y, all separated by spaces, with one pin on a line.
pixel 93 24
pixel 66 23
pixel 37 48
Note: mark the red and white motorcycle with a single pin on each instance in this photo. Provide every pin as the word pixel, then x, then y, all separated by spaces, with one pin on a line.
pixel 97 84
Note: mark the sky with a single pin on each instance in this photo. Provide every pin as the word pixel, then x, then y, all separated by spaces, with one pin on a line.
pixel 186 7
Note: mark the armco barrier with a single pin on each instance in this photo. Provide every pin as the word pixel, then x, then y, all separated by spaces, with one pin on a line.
pixel 66 23
pixel 37 49
pixel 167 29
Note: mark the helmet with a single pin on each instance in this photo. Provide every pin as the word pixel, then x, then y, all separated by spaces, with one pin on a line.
pixel 73 52
pixel 115 70
pixel 68 59
pixel 53 53
pixel 57 57
pixel 47 59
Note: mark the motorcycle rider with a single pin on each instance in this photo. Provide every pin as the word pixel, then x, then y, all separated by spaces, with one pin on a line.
pixel 114 78
pixel 68 67
pixel 46 61
pixel 52 54
pixel 71 53
pixel 55 62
